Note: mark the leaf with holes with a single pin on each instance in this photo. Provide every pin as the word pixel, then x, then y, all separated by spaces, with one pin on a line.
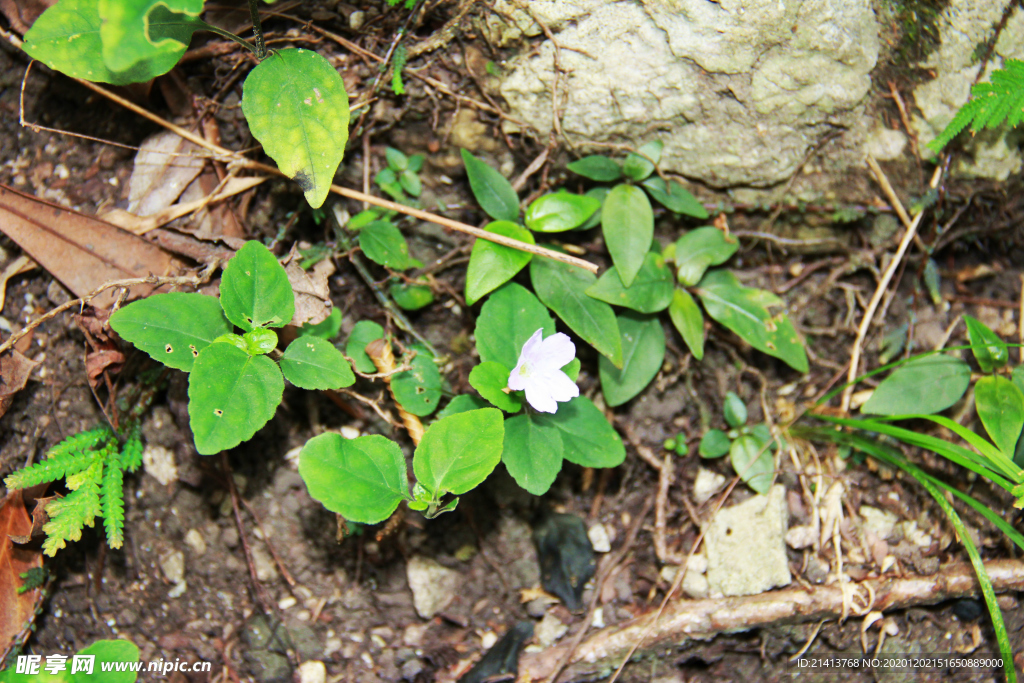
pixel 255 291
pixel 297 107
pixel 173 328
pixel 492 265
pixel 383 243
pixel 362 479
pixel 418 390
pixel 139 30
pixel 492 191
pixel 313 363
pixel 459 451
pixel 532 453
pixel 643 350
pixel 628 224
pixel 748 313
pixel 650 292
pixel 507 320
pixel 231 395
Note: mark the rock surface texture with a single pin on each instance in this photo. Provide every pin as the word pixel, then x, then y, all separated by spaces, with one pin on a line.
pixel 738 90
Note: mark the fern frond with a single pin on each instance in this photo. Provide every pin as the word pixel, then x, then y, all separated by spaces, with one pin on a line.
pixel 397 64
pixel 69 515
pixel 83 441
pixel 93 473
pixel 112 504
pixel 50 470
pixel 991 104
pixel 131 452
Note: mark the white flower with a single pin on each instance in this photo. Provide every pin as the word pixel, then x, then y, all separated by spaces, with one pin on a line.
pixel 539 371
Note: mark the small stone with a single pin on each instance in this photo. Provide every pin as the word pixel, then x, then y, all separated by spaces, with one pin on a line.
pixel 312 672
pixel 537 607
pixel 349 432
pixel 878 522
pixel 885 144
pixel 172 564
pixel 159 463
pixel 745 546
pixel 229 537
pixel 549 630
pixel 411 669
pixel 706 484
pixel 356 20
pixel 287 602
pixel 264 564
pixel 178 590
pixel 194 540
pixel 598 536
pixel 433 586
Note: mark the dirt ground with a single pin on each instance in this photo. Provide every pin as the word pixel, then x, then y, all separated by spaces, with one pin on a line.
pixel 347 602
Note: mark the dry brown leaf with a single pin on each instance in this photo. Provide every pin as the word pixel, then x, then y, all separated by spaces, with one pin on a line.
pixel 15 370
pixel 23 13
pixel 164 166
pixel 20 265
pixel 81 251
pixel 98 361
pixel 312 293
pixel 15 609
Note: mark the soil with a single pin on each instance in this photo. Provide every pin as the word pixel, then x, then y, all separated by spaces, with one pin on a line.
pixel 269 584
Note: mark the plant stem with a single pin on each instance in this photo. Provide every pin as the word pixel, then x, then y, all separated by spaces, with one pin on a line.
pixel 231 36
pixel 257 30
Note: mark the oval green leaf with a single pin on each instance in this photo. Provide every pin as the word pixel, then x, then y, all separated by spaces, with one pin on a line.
pixel 463 403
pixel 328 328
pixel 255 291
pixel 989 350
pixel 459 451
pixel 384 244
pixel 754 462
pixel 364 332
pixel 628 225
pixel 637 166
pixel 714 444
pixel 560 211
pixel 133 31
pixel 587 438
pixel 297 107
pixel 686 316
pixel 313 363
pixel 492 191
pixel 490 379
pixel 748 313
pixel 699 249
pixel 600 194
pixel 172 328
pixel 362 479
pixel 650 292
pixel 532 453
pixel 1000 406
pixel 507 320
pixel 411 297
pixel 492 265
pixel 418 390
pixel 259 341
pixel 231 395
pixel 923 386
pixel 596 167
pixel 676 198
pixel 735 410
pixel 643 351
pixel 563 289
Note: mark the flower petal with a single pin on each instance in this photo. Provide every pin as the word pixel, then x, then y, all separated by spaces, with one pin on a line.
pixel 557 351
pixel 517 378
pixel 561 387
pixel 539 398
pixel 532 348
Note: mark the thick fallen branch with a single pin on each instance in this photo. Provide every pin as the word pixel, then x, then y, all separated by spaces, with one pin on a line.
pixel 687 620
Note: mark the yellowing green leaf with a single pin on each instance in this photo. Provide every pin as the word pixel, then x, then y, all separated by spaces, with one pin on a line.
pixel 137 30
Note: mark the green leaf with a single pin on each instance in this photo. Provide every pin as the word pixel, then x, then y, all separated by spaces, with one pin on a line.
pixel 638 167
pixel 384 244
pixel 643 350
pixel 459 451
pixel 494 194
pixel 328 328
pixel 688 319
pixel 650 292
pixel 560 211
pixel 172 328
pixel 753 462
pixel 507 320
pixel 107 651
pixel 134 31
pixel 231 395
pixel 411 183
pixel 532 453
pixel 490 379
pixel 364 332
pixel 596 167
pixel 628 224
pixel 296 106
pixel 411 297
pixel 989 350
pixel 416 163
pixel 699 249
pixel 572 369
pixel 362 479
pixel 1000 406
pixel 463 403
pixel 313 363
pixel 66 37
pixel 745 311
pixel 714 444
pixel 676 199
pixel 735 410
pixel 600 194
pixel 259 341
pixel 254 289
pixel 418 390
pixel 492 265
pixel 922 386
pixel 396 160
pixel 587 438
pixel 563 289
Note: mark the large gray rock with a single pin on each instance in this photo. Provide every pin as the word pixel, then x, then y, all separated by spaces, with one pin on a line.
pixel 737 90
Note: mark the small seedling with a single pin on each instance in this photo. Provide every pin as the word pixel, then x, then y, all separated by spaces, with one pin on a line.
pixel 750 449
pixel 234 388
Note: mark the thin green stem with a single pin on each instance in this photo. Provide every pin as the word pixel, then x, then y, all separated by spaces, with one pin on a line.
pixel 257 30
pixel 230 36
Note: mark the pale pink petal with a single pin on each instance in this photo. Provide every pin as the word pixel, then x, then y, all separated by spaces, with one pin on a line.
pixel 532 347
pixel 557 351
pixel 539 398
pixel 560 387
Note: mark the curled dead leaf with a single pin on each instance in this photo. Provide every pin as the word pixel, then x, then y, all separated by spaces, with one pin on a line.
pixel 312 293
pixel 15 369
